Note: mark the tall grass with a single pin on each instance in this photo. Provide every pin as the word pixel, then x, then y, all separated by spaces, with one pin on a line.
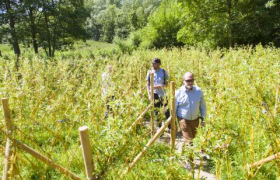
pixel 239 86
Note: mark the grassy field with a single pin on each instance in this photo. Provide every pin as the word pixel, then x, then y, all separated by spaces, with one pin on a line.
pixel 239 86
pixel 80 47
pixel 5 49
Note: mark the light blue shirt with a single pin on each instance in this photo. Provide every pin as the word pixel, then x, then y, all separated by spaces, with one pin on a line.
pixel 188 104
pixel 158 80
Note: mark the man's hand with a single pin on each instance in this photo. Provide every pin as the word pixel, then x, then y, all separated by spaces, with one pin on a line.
pixel 202 123
pixel 158 86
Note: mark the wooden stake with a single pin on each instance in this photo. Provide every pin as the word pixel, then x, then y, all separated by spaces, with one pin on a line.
pixel 7 114
pixel 153 101
pixel 140 81
pixel 46 160
pixel 8 154
pixel 84 138
pixel 140 117
pixel 151 141
pixel 173 116
pixel 266 160
pixel 276 99
pixel 7 161
pixel 277 95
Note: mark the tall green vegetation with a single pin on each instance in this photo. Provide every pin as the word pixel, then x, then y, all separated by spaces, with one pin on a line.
pixel 50 99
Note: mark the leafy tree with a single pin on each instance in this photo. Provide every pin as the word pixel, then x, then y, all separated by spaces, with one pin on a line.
pixel 163 26
pixel 208 22
pixel 108 23
pixel 49 24
pixel 258 22
pixel 228 22
pixel 8 15
pixel 62 23
pixel 223 23
pixel 118 18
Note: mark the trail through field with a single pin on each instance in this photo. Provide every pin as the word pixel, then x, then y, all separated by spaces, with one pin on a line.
pixel 204 171
pixel 203 174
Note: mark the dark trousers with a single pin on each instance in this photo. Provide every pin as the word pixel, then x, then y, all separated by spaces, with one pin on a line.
pixel 159 103
pixel 108 107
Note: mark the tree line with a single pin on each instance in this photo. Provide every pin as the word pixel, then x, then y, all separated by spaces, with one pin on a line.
pixel 167 23
pixel 49 24
pixel 56 24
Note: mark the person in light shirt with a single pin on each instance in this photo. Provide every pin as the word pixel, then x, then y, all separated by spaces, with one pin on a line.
pixel 190 106
pixel 160 83
pixel 107 89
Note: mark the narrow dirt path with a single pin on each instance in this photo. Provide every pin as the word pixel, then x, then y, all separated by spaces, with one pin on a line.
pixel 165 138
pixel 203 174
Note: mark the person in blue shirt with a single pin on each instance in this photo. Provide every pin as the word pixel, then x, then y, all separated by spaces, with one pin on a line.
pixel 190 106
pixel 160 83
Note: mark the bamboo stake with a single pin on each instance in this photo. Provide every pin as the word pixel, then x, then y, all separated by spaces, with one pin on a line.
pixel 140 80
pixel 151 141
pixel 46 160
pixel 140 117
pixel 8 153
pixel 277 95
pixel 276 99
pixel 7 161
pixel 265 160
pixel 84 138
pixel 7 114
pixel 153 101
pixel 173 126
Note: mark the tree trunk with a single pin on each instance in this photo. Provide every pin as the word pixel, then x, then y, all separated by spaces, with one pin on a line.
pixel 229 4
pixel 33 30
pixel 48 31
pixel 13 29
pixel 48 36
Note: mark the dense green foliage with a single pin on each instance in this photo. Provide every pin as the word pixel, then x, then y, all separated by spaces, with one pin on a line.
pixel 134 24
pixel 111 19
pixel 51 25
pixel 229 22
pixel 214 23
pixel 239 86
pixel 183 22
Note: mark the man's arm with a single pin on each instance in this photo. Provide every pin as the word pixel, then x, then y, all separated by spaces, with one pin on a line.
pixel 148 84
pixel 202 108
pixel 166 84
pixel 176 101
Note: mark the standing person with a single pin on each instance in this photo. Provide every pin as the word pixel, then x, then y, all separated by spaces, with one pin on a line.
pixel 189 103
pixel 160 83
pixel 107 89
